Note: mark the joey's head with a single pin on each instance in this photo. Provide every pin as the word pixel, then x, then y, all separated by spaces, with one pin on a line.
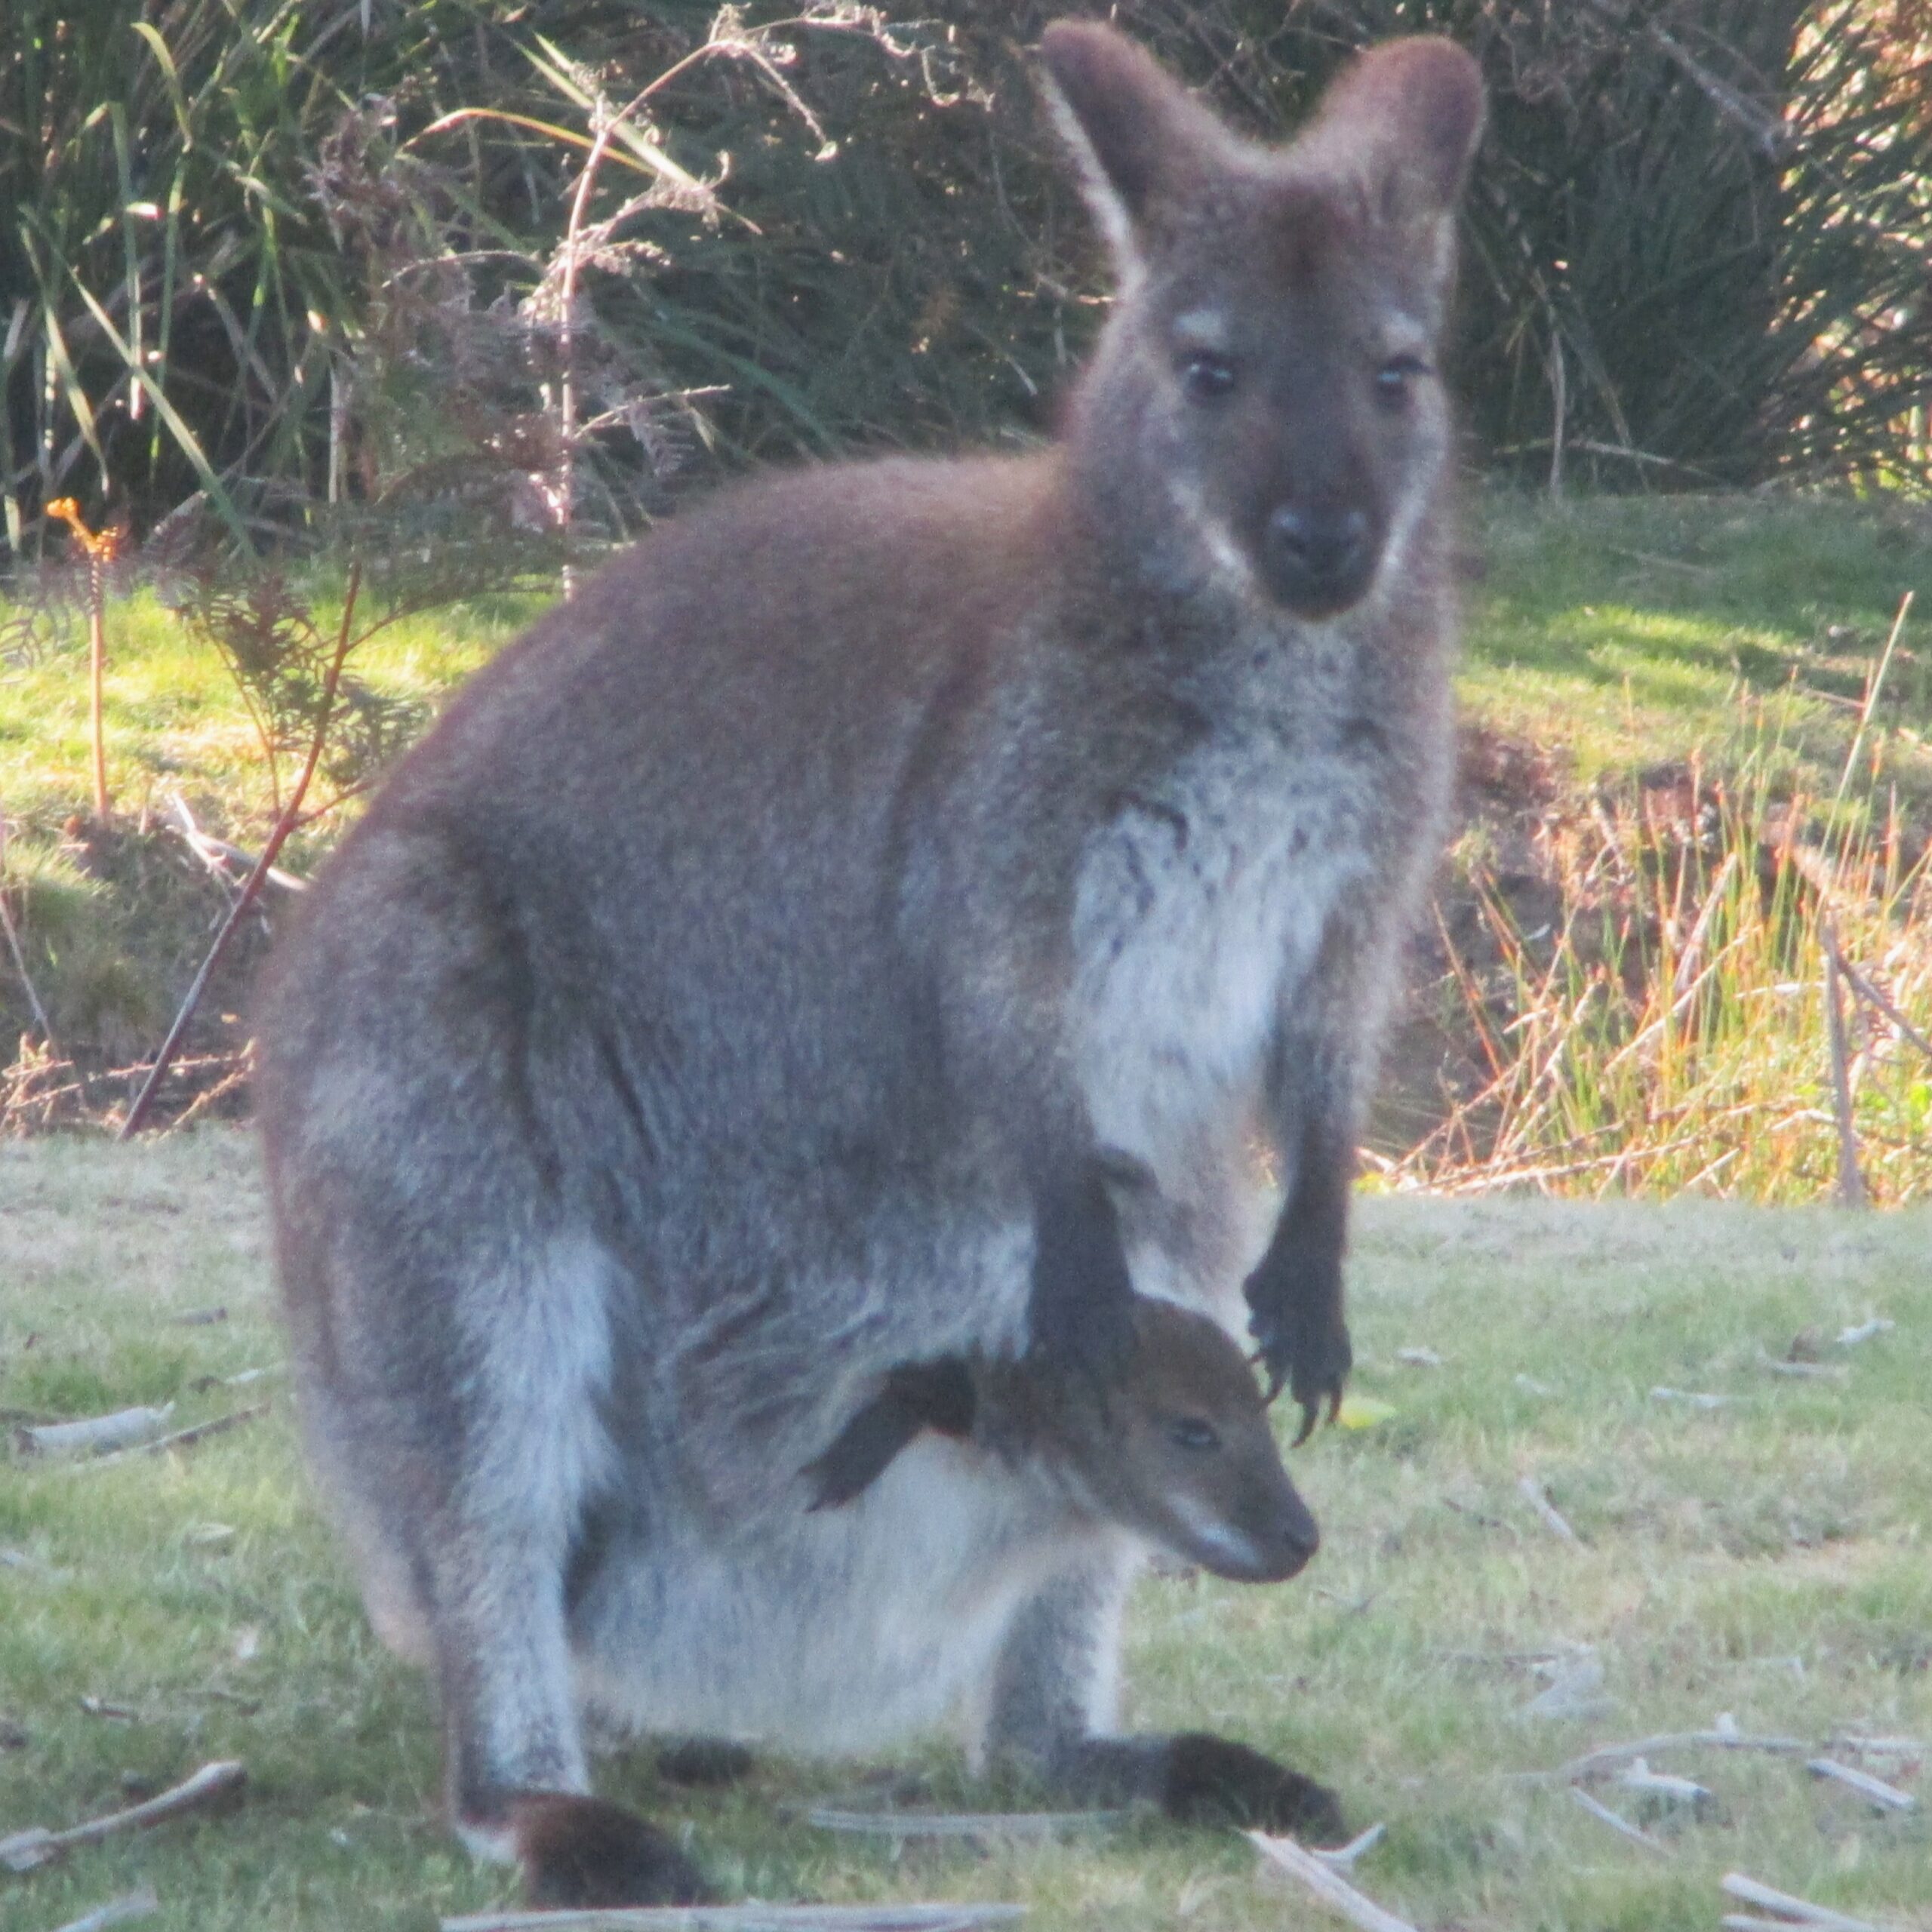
pixel 1264 409
pixel 1181 1451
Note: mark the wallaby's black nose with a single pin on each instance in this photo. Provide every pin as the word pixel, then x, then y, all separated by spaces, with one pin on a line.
pixel 1319 560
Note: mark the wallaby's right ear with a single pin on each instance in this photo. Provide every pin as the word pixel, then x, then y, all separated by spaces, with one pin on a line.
pixel 1133 129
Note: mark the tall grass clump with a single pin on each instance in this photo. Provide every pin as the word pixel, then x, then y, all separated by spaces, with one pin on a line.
pixel 1735 997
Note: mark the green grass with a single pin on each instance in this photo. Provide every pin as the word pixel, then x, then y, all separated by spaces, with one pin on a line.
pixel 1768 1558
pixel 1624 633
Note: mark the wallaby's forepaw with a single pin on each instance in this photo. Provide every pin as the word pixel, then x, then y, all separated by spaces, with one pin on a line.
pixel 584 1852
pixel 1081 1317
pixel 1213 1780
pixel 1310 1359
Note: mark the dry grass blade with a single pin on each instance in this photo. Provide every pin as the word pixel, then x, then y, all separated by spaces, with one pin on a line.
pixel 1330 1887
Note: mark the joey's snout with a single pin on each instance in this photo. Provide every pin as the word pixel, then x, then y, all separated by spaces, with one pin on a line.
pixel 1319 558
pixel 1280 1537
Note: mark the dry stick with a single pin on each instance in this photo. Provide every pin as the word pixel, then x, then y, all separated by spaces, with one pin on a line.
pixel 959 1824
pixel 1612 1757
pixel 1851 1183
pixel 1737 1886
pixel 143 1904
pixel 1334 1890
pixel 251 887
pixel 1617 1823
pixel 1552 1521
pixel 123 1427
pixel 97 671
pixel 211 1785
pixel 1865 989
pixel 1875 1791
pixel 743 1918
pixel 181 1438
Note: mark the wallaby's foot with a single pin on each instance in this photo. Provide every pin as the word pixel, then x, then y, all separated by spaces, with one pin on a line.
pixel 1197 1779
pixel 704 1760
pixel 583 1852
pixel 1213 1780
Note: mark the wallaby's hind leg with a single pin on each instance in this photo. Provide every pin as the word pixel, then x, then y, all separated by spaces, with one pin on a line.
pixel 1052 1710
pixel 518 1782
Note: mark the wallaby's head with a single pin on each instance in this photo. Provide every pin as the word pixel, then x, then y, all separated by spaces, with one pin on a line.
pixel 1181 1451
pixel 1264 406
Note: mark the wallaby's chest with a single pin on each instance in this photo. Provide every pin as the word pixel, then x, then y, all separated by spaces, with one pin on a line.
pixel 1201 906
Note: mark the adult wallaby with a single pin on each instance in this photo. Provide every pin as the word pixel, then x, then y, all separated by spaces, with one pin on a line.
pixel 1178 1451
pixel 889 914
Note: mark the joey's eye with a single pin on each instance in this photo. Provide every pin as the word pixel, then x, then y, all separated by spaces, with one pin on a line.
pixel 1207 377
pixel 1396 377
pixel 1191 1432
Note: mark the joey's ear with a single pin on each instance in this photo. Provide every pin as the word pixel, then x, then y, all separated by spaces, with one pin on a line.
pixel 1134 130
pixel 1404 120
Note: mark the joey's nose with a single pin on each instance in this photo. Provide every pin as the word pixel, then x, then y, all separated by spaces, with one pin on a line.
pixel 1319 558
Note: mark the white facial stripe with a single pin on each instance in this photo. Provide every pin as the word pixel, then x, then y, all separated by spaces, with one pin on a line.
pixel 1203 329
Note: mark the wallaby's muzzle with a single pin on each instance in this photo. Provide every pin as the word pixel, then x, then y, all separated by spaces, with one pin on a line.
pixel 1320 559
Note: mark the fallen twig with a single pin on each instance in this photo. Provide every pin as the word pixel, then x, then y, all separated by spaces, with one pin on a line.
pixel 1691 1398
pixel 1803 1371
pixel 183 1437
pixel 1665 1789
pixel 1617 1823
pixel 1608 1758
pixel 1330 1887
pixel 1342 1857
pixel 214 1785
pixel 1737 1886
pixel 199 1318
pixel 1850 1338
pixel 1886 1797
pixel 753 1918
pixel 143 1904
pixel 95 1433
pixel 1553 1520
pixel 957 1824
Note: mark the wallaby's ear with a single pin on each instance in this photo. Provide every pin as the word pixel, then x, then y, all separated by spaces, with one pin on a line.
pixel 1404 119
pixel 1133 129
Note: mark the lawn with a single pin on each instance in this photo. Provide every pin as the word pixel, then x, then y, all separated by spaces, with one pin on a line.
pixel 1764 1556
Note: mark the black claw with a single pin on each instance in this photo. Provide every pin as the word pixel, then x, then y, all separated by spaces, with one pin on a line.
pixel 1309 1411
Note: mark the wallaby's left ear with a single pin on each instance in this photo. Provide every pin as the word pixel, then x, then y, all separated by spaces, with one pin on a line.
pixel 1405 119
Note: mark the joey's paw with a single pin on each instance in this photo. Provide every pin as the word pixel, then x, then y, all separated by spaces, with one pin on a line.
pixel 585 1852
pixel 1213 1780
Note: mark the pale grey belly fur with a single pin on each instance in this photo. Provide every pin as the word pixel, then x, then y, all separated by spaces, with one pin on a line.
pixel 833 1632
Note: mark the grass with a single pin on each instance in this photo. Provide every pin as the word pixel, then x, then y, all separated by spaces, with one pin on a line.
pixel 1632 632
pixel 1767 1559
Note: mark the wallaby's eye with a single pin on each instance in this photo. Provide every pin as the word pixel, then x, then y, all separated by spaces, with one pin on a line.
pixel 1396 377
pixel 1191 1432
pixel 1207 377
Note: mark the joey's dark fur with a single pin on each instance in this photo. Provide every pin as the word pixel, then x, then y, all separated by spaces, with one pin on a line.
pixel 1177 1448
pixel 893 913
